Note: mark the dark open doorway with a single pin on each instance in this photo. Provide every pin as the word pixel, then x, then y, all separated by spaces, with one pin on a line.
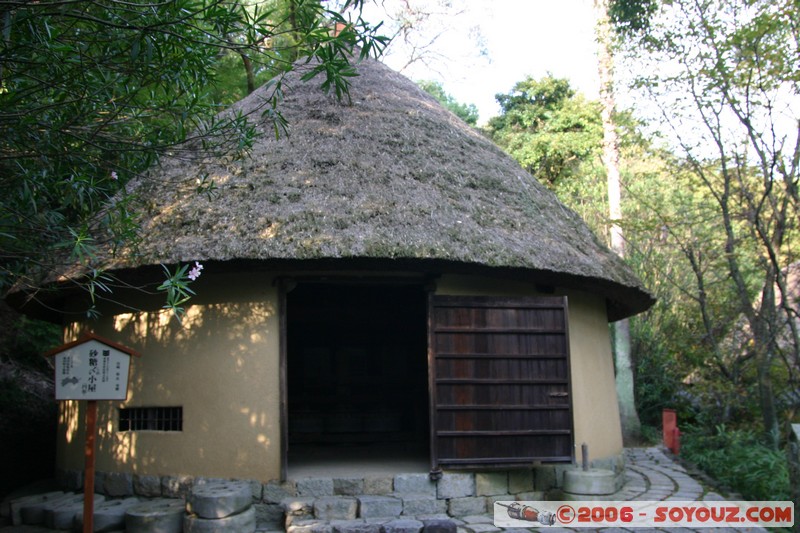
pixel 357 375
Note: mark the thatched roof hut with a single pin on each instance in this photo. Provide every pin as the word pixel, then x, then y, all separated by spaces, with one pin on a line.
pixel 383 275
pixel 391 176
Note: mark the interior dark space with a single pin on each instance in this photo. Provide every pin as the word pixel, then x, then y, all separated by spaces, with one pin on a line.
pixel 357 367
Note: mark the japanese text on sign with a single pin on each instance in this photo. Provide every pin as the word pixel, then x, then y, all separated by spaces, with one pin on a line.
pixel 92 371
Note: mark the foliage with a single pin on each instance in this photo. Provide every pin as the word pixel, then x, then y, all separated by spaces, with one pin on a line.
pixel 428 35
pixel 556 134
pixel 694 329
pixel 547 128
pixel 658 375
pixel 238 71
pixel 230 84
pixel 692 350
pixel 722 75
pixel 94 93
pixel 24 340
pixel 176 287
pixel 632 16
pixel 651 435
pixel 689 217
pixel 740 459
pixel 466 112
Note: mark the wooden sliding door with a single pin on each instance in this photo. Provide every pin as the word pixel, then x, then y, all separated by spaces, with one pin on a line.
pixel 500 381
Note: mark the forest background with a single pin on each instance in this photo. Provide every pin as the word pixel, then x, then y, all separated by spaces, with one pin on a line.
pixel 709 161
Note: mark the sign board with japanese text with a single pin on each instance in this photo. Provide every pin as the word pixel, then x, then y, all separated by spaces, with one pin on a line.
pixel 92 368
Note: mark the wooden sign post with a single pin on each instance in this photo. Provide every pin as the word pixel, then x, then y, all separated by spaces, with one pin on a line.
pixel 91 369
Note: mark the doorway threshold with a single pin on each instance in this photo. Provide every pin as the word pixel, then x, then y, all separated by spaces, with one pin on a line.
pixel 363 461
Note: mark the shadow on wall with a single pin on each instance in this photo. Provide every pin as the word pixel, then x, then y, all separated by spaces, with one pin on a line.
pixel 219 365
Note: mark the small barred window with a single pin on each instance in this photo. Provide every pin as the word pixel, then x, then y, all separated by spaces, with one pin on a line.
pixel 151 419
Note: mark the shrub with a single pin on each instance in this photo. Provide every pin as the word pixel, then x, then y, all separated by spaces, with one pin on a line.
pixel 740 460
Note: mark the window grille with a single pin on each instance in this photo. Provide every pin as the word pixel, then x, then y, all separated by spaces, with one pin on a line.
pixel 151 419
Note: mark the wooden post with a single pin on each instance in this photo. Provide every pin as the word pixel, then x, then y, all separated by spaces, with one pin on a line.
pixel 284 287
pixel 91 368
pixel 88 476
pixel 585 457
pixel 669 421
pixel 436 472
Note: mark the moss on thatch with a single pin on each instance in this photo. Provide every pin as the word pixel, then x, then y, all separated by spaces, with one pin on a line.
pixel 391 176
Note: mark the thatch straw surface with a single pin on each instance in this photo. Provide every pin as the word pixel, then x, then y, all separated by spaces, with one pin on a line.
pixel 392 176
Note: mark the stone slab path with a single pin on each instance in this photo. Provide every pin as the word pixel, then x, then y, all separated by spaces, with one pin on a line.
pixel 650 475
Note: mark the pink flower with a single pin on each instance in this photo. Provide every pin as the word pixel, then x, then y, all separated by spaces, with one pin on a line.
pixel 114 175
pixel 194 273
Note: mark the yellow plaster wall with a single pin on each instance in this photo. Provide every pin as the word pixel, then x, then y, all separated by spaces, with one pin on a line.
pixel 220 365
pixel 594 397
pixel 594 394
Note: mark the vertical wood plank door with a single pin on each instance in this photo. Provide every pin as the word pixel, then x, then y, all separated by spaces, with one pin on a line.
pixel 500 387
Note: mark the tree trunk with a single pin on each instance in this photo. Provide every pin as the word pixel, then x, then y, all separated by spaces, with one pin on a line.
pixel 764 329
pixel 631 427
pixel 251 77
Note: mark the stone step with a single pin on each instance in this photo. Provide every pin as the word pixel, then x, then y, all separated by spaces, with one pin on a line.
pixel 450 485
pixel 390 513
pixel 243 522
pixel 62 515
pixel 161 515
pixel 13 507
pixel 374 507
pixel 400 524
pixel 31 511
pixel 218 506
pixel 404 524
pixel 219 499
pixel 108 516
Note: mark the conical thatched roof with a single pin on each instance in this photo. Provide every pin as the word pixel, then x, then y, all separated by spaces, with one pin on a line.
pixel 393 178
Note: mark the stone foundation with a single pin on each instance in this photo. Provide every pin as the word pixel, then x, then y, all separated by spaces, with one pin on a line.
pixel 278 504
pixel 453 485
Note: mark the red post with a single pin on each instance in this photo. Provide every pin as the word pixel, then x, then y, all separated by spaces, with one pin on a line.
pixel 676 441
pixel 88 476
pixel 669 422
